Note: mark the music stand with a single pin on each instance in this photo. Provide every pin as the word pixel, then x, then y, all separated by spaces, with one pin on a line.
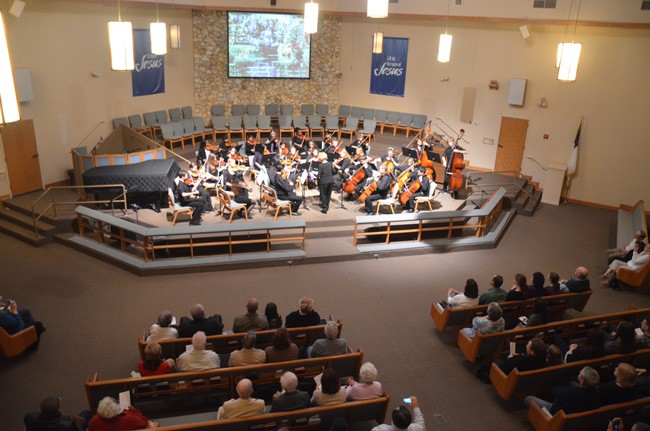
pixel 435 157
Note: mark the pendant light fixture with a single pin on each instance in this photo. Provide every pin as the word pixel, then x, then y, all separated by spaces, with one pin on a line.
pixel 158 33
pixel 568 53
pixel 9 111
pixel 444 47
pixel 120 37
pixel 377 8
pixel 311 17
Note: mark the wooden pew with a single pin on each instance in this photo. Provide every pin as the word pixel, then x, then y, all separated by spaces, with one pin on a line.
pixel 597 419
pixel 556 305
pixel 13 345
pixel 224 344
pixel 519 384
pixel 194 392
pixel 490 346
pixel 315 418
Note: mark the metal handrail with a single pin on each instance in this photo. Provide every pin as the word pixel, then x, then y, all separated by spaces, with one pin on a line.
pixel 54 204
pixel 482 187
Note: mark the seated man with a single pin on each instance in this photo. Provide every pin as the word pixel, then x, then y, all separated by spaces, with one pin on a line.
pixel 304 316
pixel 494 293
pixel 290 398
pixel 51 419
pixel 163 329
pixel 579 283
pixel 330 345
pixel 186 196
pixel 14 320
pixel 403 420
pixel 625 253
pixel 572 398
pixel 621 390
pixel 643 341
pixel 489 324
pixel 382 191
pixel 209 325
pixel 284 191
pixel 197 358
pixel 535 358
pixel 248 355
pixel 251 321
pixel 244 406
pixel 421 191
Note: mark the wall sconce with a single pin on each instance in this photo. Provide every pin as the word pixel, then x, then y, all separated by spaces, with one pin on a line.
pixel 444 79
pixel 494 85
pixel 542 103
pixel 9 111
pixel 378 42
pixel 175 36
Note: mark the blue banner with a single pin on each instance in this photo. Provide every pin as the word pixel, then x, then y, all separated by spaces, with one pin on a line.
pixel 388 70
pixel 148 77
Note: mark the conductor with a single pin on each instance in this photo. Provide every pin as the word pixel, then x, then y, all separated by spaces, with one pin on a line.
pixel 325 176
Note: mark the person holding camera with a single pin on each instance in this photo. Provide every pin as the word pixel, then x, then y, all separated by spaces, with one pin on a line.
pixel 403 419
pixel 14 320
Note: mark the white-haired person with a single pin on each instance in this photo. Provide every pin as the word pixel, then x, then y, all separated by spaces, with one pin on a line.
pixel 367 388
pixel 163 329
pixel 290 398
pixel 111 417
pixel 197 358
pixel 403 419
pixel 304 316
pixel 244 406
pixel 330 345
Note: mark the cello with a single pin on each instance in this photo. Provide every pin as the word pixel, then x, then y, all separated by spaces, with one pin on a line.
pixel 406 194
pixel 351 183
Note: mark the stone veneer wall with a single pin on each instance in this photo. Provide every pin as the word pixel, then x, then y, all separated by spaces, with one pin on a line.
pixel 212 85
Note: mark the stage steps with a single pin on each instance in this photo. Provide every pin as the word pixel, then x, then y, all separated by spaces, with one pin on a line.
pixel 20 225
pixel 522 193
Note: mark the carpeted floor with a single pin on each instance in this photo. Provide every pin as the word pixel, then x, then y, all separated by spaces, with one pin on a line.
pixel 94 312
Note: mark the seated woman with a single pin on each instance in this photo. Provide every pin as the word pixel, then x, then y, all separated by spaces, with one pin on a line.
pixel 489 324
pixel 468 298
pixel 304 316
pixel 593 347
pixel 554 287
pixel 367 388
pixel 281 349
pixel 639 247
pixel 330 391
pixel 110 416
pixel 519 290
pixel 622 340
pixel 535 358
pixel 271 313
pixel 539 316
pixel 163 329
pixel 537 288
pixel 554 355
pixel 154 365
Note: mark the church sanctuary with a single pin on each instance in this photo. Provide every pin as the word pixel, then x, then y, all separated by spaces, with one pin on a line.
pixel 308 215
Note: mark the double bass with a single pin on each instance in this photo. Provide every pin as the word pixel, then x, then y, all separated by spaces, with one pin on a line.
pixel 455 174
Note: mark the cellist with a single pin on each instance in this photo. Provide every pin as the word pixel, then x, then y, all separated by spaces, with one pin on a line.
pixel 447 158
pixel 383 188
pixel 422 190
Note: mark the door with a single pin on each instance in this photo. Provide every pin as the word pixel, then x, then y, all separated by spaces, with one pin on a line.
pixel 21 156
pixel 512 142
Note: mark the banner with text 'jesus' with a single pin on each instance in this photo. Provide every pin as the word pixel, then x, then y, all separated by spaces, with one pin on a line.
pixel 149 74
pixel 388 70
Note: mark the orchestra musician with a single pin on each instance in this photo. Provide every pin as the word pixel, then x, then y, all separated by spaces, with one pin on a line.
pixel 328 145
pixel 196 178
pixel 299 138
pixel 420 148
pixel 241 190
pixel 361 142
pixel 447 157
pixel 423 189
pixel 185 195
pixel 383 188
pixel 390 156
pixel 325 177
pixel 203 154
pixel 409 166
pixel 284 190
pixel 271 144
pixel 365 165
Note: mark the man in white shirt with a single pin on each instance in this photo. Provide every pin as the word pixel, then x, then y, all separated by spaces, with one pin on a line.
pixel 244 406
pixel 403 420
pixel 197 358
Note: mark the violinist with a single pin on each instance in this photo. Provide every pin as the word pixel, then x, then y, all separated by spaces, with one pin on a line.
pixel 325 177
pixel 383 188
pixel 206 179
pixel 195 180
pixel 422 190
pixel 327 146
pixel 203 153
pixel 284 190
pixel 282 148
pixel 254 156
pixel 271 144
pixel 185 195
pixel 361 142
pixel 447 157
pixel 343 162
pixel 299 138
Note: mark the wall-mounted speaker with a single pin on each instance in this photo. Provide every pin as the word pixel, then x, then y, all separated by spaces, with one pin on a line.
pixel 17 8
pixel 525 33
pixel 23 79
pixel 517 91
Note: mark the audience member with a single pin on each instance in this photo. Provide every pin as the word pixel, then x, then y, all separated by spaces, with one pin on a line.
pixel 622 389
pixel 537 288
pixel 572 398
pixel 534 359
pixel 330 391
pixel 111 417
pixel 14 320
pixel 489 324
pixel 403 420
pixel 467 298
pixel 593 347
pixel 554 356
pixel 248 355
pixel 579 283
pixel 208 325
pixel 643 341
pixel 554 287
pixel 251 321
pixel 244 406
pixel 625 253
pixel 304 316
pixel 539 316
pixel 330 345
pixel 519 290
pixel 281 349
pixel 271 313
pixel 197 358
pixel 51 419
pixel 494 293
pixel 639 247
pixel 153 364
pixel 367 388
pixel 623 340
pixel 290 398
pixel 163 329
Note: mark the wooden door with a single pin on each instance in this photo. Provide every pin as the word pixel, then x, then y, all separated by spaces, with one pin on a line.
pixel 21 156
pixel 512 142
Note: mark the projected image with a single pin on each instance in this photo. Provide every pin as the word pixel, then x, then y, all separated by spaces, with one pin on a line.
pixel 267 45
